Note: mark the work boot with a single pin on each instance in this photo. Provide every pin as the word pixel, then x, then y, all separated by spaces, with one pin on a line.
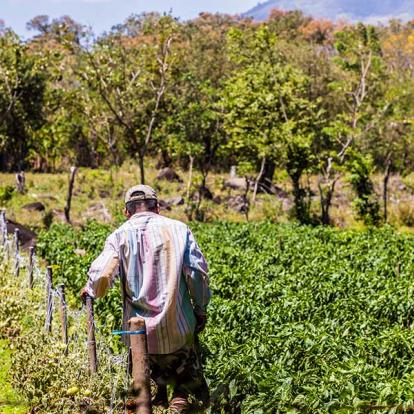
pixel 179 405
pixel 161 397
pixel 202 395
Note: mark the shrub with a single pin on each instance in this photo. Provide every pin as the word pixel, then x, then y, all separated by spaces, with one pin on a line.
pixel 6 194
pixel 49 381
pixel 406 214
pixel 366 202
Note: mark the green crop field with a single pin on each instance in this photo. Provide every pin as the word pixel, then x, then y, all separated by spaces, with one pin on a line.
pixel 303 320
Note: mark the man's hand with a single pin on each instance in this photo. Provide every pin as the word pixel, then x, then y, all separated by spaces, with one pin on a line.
pixel 84 294
pixel 201 321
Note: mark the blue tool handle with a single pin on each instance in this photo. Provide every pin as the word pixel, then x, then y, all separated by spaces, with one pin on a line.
pixel 141 332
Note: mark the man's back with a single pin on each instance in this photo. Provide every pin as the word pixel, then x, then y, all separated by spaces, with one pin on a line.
pixel 163 277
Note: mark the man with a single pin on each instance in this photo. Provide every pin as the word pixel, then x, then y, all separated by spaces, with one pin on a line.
pixel 164 280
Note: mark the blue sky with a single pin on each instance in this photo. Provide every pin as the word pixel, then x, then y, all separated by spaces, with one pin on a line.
pixel 102 14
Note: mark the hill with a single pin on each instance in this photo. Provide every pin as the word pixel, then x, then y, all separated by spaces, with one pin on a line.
pixel 355 10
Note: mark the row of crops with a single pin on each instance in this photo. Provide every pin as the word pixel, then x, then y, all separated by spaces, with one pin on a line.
pixel 303 320
pixel 41 372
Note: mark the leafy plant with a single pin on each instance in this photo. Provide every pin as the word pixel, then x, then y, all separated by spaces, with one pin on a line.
pixel 366 203
pixel 309 320
pixel 6 193
pixel 48 380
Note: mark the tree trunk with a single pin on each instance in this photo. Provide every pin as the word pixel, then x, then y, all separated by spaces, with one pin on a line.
pixel 191 204
pixel 115 156
pixel 70 191
pixel 385 188
pixel 297 198
pixel 190 177
pixel 300 208
pixel 265 183
pixel 325 206
pixel 199 215
pixel 164 160
pixel 259 177
pixel 326 201
pixel 141 168
pixel 246 199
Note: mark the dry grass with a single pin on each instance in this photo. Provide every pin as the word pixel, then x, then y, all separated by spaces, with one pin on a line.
pixel 106 188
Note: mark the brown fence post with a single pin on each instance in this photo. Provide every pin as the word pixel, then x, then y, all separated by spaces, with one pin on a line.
pixel 16 252
pixel 3 221
pixel 63 316
pixel 49 299
pixel 141 388
pixel 93 359
pixel 31 266
pixel 20 182
pixel 3 227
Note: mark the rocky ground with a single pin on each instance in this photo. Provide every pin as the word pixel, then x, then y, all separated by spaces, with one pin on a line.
pixel 98 194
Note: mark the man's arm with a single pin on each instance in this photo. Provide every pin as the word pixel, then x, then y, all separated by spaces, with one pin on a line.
pixel 103 270
pixel 196 274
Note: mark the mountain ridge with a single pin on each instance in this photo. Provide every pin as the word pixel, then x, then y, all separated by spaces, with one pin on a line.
pixel 355 10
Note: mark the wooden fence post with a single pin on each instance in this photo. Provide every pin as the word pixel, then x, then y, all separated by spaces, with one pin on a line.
pixel 63 316
pixel 31 266
pixel 49 299
pixel 20 182
pixel 16 252
pixel 93 359
pixel 141 388
pixel 3 227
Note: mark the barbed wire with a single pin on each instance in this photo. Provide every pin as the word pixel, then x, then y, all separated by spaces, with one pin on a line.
pixel 116 365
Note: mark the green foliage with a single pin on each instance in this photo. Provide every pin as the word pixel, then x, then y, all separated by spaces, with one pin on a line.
pixel 71 252
pixel 302 320
pixel 357 100
pixel 47 380
pixel 22 85
pixel 262 98
pixel 11 403
pixel 366 203
pixel 292 92
pixel 6 194
pixel 131 93
pixel 267 113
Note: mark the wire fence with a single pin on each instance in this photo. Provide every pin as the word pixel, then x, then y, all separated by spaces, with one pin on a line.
pixel 71 323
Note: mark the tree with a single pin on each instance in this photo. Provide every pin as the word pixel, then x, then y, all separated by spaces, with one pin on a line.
pixel 358 92
pixel 194 121
pixel 131 75
pixel 62 28
pixel 287 24
pixel 366 204
pixel 65 136
pixel 22 86
pixel 318 31
pixel 391 144
pixel 267 115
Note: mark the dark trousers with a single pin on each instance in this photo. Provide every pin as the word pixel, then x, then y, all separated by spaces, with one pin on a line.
pixel 182 368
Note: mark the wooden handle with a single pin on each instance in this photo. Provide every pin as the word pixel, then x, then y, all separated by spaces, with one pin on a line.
pixel 93 359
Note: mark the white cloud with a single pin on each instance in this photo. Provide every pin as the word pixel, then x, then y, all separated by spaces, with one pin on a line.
pixel 386 19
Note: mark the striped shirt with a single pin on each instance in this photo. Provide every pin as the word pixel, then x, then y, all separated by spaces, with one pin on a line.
pixel 163 278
